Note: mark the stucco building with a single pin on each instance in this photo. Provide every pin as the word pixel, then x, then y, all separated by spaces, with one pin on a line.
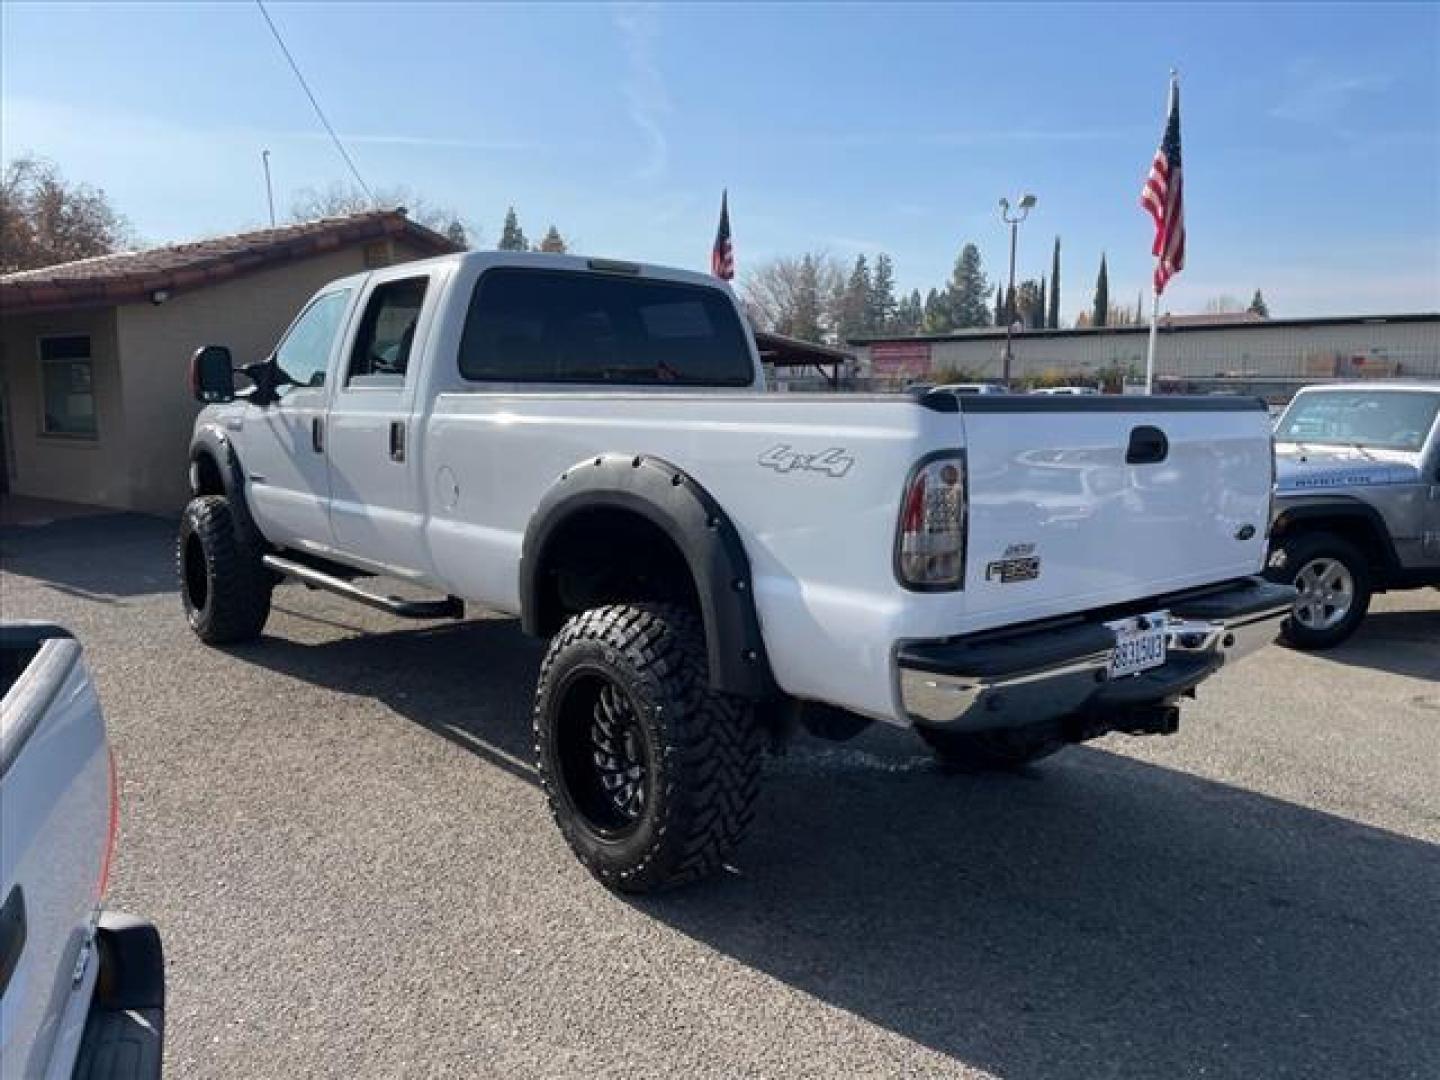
pixel 94 402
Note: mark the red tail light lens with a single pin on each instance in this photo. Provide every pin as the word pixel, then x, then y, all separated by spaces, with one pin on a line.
pixel 930 545
pixel 113 829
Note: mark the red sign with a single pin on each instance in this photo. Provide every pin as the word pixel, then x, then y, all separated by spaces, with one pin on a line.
pixel 909 359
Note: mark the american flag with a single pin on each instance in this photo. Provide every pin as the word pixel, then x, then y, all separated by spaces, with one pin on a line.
pixel 722 256
pixel 1164 198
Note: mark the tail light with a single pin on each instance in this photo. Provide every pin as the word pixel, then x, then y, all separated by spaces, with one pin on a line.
pixel 112 829
pixel 930 541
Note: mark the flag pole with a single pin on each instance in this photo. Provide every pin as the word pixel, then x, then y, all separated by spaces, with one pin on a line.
pixel 1150 352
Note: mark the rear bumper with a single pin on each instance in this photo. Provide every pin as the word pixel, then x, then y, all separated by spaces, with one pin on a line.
pixel 125 1028
pixel 1061 671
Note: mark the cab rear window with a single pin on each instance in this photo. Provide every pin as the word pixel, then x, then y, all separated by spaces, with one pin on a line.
pixel 555 326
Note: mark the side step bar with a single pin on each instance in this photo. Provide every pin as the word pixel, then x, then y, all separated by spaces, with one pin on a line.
pixel 452 607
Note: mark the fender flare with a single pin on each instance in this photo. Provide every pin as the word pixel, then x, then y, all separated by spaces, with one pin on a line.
pixel 211 440
pixel 1302 510
pixel 695 522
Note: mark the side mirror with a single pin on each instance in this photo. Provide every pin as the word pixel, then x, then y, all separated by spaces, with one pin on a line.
pixel 212 375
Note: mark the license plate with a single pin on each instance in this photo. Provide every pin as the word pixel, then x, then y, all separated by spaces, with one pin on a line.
pixel 1139 645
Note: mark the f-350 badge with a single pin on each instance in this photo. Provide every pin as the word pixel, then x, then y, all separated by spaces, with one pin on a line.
pixel 1019 563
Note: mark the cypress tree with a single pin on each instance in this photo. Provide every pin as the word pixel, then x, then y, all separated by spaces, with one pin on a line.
pixel 1100 314
pixel 1041 307
pixel 1053 317
pixel 512 237
pixel 1000 319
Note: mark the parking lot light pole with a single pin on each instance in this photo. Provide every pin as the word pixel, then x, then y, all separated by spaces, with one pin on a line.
pixel 1027 201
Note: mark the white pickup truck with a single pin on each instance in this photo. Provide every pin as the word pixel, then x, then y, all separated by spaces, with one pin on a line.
pixel 82 989
pixel 587 444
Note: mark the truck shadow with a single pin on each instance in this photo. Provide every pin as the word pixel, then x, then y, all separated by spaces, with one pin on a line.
pixel 1095 916
pixel 413 672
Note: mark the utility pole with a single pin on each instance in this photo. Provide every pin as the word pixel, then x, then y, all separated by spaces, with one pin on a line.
pixel 1027 202
pixel 269 193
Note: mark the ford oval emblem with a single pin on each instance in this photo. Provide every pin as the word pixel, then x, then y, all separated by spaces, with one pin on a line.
pixel 1245 532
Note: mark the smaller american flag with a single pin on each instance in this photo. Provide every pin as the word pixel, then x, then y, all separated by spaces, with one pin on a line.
pixel 722 256
pixel 1164 197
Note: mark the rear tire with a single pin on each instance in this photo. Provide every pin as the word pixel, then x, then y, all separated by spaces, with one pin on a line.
pixel 224 588
pixel 1333 577
pixel 1001 750
pixel 651 776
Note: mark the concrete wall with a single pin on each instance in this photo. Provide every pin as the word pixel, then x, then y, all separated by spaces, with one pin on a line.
pixel 68 468
pixel 142 354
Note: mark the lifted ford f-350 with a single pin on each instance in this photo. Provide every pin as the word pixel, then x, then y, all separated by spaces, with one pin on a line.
pixel 587 443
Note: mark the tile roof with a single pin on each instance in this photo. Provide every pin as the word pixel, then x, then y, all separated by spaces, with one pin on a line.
pixel 127 276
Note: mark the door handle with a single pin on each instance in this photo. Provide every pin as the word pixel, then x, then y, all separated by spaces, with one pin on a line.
pixel 13 931
pixel 397 440
pixel 317 434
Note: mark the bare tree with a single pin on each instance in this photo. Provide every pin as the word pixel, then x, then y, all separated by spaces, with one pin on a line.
pixel 338 200
pixel 1223 305
pixel 45 219
pixel 799 296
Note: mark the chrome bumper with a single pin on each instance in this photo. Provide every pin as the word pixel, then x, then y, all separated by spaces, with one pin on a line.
pixel 1051 673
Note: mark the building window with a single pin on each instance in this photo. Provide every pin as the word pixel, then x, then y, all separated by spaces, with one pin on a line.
pixel 67 386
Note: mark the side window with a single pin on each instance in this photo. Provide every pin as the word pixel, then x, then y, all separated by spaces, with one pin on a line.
pixel 305 352
pixel 381 356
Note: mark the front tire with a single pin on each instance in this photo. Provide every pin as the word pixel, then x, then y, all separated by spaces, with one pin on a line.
pixel 651 776
pixel 1333 577
pixel 1002 750
pixel 224 587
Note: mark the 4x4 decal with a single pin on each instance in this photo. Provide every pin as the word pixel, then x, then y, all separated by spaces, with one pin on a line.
pixel 834 462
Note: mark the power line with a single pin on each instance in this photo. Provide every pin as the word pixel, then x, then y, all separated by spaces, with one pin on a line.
pixel 318 111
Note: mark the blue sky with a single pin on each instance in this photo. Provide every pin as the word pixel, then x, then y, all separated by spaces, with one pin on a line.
pixel 1312 132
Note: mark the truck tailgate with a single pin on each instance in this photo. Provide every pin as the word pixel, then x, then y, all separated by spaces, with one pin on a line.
pixel 1079 503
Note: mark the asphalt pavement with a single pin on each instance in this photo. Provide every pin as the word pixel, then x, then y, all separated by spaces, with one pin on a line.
pixel 338 831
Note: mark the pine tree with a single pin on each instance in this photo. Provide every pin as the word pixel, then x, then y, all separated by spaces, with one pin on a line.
pixel 968 290
pixel 1258 306
pixel 936 317
pixel 1101 311
pixel 553 242
pixel 882 308
pixel 455 233
pixel 1000 319
pixel 1052 319
pixel 809 305
pixel 512 237
pixel 911 316
pixel 855 300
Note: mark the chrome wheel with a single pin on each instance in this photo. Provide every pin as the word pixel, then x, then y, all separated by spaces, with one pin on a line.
pixel 1327 592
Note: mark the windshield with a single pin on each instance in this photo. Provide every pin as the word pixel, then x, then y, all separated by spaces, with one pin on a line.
pixel 1384 419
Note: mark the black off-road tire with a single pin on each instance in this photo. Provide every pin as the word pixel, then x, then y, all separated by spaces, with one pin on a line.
pixel 1002 750
pixel 700 752
pixel 1291 556
pixel 223 586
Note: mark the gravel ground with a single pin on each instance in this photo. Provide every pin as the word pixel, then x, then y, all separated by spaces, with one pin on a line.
pixel 338 832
